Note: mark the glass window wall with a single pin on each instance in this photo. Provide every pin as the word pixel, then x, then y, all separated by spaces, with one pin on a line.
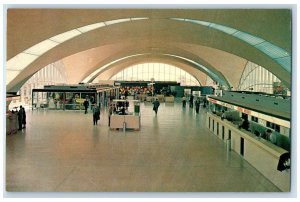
pixel 257 79
pixel 157 71
pixel 50 75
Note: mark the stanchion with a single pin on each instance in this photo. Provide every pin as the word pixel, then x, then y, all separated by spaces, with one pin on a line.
pixel 124 127
pixel 228 145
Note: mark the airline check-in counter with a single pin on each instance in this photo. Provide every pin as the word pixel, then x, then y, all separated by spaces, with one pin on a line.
pixel 272 159
pixel 125 114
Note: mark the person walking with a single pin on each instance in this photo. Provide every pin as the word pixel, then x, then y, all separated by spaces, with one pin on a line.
pixel 204 102
pixel 156 105
pixel 23 117
pixel 183 101
pixel 20 117
pixel 96 114
pixel 191 101
pixel 110 112
pixel 86 105
pixel 197 105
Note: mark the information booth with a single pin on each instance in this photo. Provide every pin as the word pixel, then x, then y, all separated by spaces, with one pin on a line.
pixel 125 114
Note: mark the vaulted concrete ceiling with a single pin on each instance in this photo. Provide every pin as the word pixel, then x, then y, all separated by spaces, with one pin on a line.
pixel 225 56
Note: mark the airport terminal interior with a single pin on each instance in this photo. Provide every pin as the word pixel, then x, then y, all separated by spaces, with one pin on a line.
pixel 148 100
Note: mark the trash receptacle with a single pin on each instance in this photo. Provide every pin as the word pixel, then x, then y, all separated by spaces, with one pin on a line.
pixel 136 108
pixel 228 144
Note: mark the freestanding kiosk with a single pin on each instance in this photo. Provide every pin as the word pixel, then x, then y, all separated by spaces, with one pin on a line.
pixel 125 115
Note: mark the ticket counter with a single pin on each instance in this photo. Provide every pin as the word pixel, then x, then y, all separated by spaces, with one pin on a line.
pixel 260 153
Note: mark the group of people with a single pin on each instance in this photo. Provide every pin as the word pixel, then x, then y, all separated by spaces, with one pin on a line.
pixel 197 103
pixel 16 120
pixel 95 109
pixel 268 134
pixel 245 124
pixel 21 117
pixel 135 90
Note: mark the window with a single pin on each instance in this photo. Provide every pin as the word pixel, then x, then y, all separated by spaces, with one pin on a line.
pixel 273 126
pixel 256 78
pixel 51 74
pixel 158 71
pixel 255 119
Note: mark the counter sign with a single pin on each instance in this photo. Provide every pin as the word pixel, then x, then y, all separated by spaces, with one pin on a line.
pixel 246 111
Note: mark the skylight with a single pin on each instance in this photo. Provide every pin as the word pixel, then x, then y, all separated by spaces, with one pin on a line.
pixel 253 40
pixel 111 22
pixel 264 46
pixel 91 27
pixel 138 19
pixel 285 61
pixel 272 50
pixel 222 28
pixel 19 61
pixel 11 74
pixel 41 48
pixel 65 36
pixel 198 22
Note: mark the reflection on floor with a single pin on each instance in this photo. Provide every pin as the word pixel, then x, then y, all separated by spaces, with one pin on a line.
pixel 62 151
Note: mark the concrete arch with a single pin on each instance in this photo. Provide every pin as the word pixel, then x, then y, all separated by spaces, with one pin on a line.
pixel 158 52
pixel 37 24
pixel 93 59
pixel 154 30
pixel 166 59
pixel 200 76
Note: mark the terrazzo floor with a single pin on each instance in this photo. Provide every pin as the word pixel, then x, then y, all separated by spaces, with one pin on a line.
pixel 62 151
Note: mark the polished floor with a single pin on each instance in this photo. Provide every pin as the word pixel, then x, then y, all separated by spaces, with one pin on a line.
pixel 62 151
